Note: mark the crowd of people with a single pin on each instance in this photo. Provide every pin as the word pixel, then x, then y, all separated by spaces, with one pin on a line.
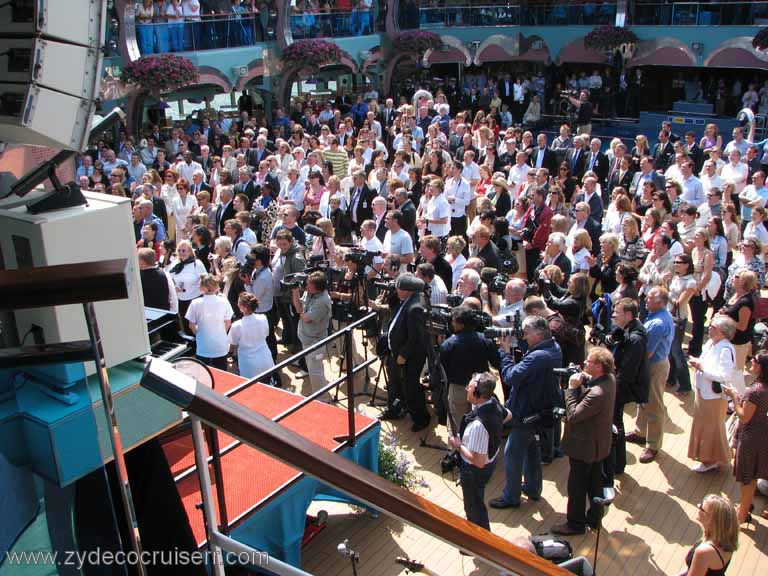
pixel 602 257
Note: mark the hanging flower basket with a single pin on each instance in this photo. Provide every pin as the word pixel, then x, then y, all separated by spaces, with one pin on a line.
pixel 417 41
pixel 312 53
pixel 160 73
pixel 760 41
pixel 605 38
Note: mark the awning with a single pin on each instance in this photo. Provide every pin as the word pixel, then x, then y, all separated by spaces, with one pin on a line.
pixel 735 57
pixel 447 55
pixel 575 52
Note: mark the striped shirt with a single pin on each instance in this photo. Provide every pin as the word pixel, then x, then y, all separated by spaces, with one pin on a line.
pixel 339 159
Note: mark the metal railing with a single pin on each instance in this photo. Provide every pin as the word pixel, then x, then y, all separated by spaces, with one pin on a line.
pixel 508 14
pixel 339 24
pixel 698 13
pixel 208 33
pixel 348 377
pixel 215 409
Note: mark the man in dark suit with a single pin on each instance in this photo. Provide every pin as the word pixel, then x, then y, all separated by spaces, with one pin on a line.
pixel 245 185
pixel 387 114
pixel 466 145
pixel 589 195
pixel 596 161
pixel 646 173
pixel 555 253
pixel 225 210
pixel 752 160
pixel 589 402
pixel 205 159
pixel 663 152
pixel 407 339
pixel 695 153
pixel 361 201
pixel 408 210
pixel 543 156
pixel 576 158
pixel 622 176
pixel 198 185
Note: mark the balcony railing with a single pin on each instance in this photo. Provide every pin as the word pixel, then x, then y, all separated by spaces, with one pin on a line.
pixel 332 24
pixel 699 13
pixel 509 14
pixel 209 33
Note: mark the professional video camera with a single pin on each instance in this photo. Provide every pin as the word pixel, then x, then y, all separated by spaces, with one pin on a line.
pixel 361 256
pixel 599 335
pixel 497 281
pixel 295 280
pixel 439 320
pixel 454 300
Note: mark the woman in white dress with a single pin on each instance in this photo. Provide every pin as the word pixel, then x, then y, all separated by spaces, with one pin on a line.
pixel 183 204
pixel 248 336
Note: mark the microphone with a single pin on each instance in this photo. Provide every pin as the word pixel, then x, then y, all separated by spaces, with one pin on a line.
pixel 314 230
pixel 347 552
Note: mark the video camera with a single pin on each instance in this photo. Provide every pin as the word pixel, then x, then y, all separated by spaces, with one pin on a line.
pixel 450 461
pixel 361 256
pixel 295 280
pixel 439 320
pixel 600 335
pixel 497 281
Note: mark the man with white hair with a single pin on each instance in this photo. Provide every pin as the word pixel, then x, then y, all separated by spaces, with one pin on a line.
pixel 512 304
pixel 555 253
pixel 597 162
pixel 469 283
pixel 225 210
pixel 518 173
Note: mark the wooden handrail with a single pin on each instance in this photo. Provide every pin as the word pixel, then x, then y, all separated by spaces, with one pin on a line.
pixel 342 474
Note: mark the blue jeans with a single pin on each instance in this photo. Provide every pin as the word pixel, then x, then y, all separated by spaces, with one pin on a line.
pixel 473 482
pixel 522 454
pixel 146 37
pixel 176 34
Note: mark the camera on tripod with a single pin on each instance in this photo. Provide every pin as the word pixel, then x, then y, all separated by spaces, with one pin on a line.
pixel 360 256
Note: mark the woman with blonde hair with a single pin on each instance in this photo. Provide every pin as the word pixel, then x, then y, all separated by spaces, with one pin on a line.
pixel 559 223
pixel 209 320
pixel 578 252
pixel 453 255
pixel 708 442
pixel 185 272
pixel 712 555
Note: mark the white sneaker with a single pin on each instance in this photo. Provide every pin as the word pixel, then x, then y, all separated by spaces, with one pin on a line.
pixel 701 467
pixel 302 374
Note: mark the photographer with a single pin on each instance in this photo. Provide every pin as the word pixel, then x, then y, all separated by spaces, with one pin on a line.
pixel 465 353
pixel 407 342
pixel 438 295
pixel 583 112
pixel 478 444
pixel 632 376
pixel 533 390
pixel 571 303
pixel 589 403
pixel 287 261
pixel 314 312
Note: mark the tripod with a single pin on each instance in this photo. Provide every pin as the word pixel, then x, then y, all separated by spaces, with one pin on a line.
pixel 438 382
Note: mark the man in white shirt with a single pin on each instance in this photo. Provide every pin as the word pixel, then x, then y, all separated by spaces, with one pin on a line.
pixel 470 171
pixel 512 304
pixel 188 167
pixel 438 294
pixel 693 191
pixel 709 177
pixel 738 142
pixel 371 244
pixel 518 172
pixel 459 194
pixel 753 196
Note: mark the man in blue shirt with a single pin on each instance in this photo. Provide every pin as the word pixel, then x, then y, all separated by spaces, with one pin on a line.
pixel 649 424
pixel 534 389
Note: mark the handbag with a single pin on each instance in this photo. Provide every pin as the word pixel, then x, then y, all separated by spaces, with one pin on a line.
pixel 761 308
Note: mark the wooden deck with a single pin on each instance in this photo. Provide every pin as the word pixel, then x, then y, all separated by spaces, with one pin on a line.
pixel 647 531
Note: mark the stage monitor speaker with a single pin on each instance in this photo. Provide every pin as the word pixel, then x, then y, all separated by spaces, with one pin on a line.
pixel 72 21
pixel 51 70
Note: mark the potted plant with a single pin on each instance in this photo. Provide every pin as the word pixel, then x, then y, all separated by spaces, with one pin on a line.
pixel 395 466
pixel 314 52
pixel 160 73
pixel 417 41
pixel 608 38
pixel 760 41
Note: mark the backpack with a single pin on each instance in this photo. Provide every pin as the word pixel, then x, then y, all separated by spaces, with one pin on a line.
pixel 563 331
pixel 552 548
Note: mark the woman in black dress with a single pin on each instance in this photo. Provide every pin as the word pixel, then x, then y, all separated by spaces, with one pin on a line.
pixel 751 408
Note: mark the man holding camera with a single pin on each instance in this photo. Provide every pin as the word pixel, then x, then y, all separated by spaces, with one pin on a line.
pixel 465 353
pixel 587 440
pixel 533 393
pixel 407 340
pixel 314 312
pixel 631 358
pixel 478 445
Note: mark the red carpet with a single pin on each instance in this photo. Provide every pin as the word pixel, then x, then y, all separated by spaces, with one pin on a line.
pixel 245 490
